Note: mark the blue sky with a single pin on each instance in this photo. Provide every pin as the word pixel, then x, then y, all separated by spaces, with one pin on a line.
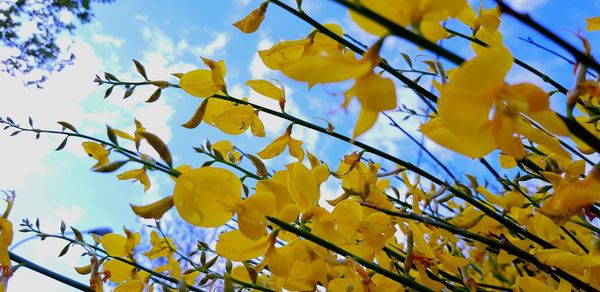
pixel 168 39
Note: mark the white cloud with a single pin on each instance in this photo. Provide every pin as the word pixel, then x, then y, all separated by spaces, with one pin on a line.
pixel 258 70
pixel 108 40
pixel 218 43
pixel 526 5
pixel 140 17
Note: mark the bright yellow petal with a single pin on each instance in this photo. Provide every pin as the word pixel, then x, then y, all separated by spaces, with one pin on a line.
pixel 593 23
pixel 236 120
pixel 252 21
pixel 476 145
pixel 302 186
pixel 119 271
pixel 276 147
pixel 267 89
pixel 206 196
pixel 236 247
pixel 376 93
pixel 114 244
pixel 366 120
pixel 199 83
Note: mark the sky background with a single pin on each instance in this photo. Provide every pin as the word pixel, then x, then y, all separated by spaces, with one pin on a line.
pixel 57 185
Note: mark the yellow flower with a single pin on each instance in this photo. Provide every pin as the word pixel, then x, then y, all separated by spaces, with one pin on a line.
pixel 207 196
pixel 571 197
pixel 225 148
pixel 98 152
pixel 202 82
pixel 161 247
pixel 476 89
pixel 137 175
pixel 279 144
pixel 117 245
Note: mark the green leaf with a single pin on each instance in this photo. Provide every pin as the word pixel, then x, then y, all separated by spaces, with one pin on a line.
pixel 108 91
pixel 140 68
pixel 62 144
pixel 77 233
pixel 111 166
pixel 111 135
pixel 407 60
pixel 67 125
pixel 155 96
pixel 159 146
pixel 64 250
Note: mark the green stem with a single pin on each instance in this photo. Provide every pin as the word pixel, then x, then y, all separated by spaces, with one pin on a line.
pixel 51 274
pixel 528 21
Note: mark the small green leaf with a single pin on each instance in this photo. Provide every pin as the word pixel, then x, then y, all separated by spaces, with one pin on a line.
pixel 62 144
pixel 108 91
pixel 128 92
pixel 67 125
pixel 155 96
pixel 111 166
pixel 140 68
pixel 159 146
pixel 77 233
pixel 63 227
pixel 111 135
pixel 407 60
pixel 64 250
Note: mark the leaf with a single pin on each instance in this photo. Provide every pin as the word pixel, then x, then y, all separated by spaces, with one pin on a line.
pixel 108 91
pixel 110 77
pixel 407 60
pixel 129 92
pixel 111 166
pixel 155 96
pixel 15 133
pixel 37 135
pixel 111 135
pixel 261 169
pixel 64 250
pixel 140 68
pixel 63 227
pixel 31 122
pixel 77 233
pixel 197 117
pixel 66 125
pixel 62 144
pixel 159 146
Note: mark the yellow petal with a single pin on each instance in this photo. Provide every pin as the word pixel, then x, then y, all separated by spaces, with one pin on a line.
pixel 276 147
pixel 256 126
pixel 267 89
pixel 376 93
pixel 302 186
pixel 566 260
pixel 315 68
pixel 475 145
pixel 96 151
pixel 252 21
pixel 236 120
pixel 593 23
pixel 137 174
pixel 251 216
pixel 6 237
pixel 530 284
pixel 282 53
pixel 206 196
pixel 236 247
pixel 119 271
pixel 199 83
pixel 366 120
pixel 114 244
pixel 154 210
pixel 387 9
pixel 133 285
